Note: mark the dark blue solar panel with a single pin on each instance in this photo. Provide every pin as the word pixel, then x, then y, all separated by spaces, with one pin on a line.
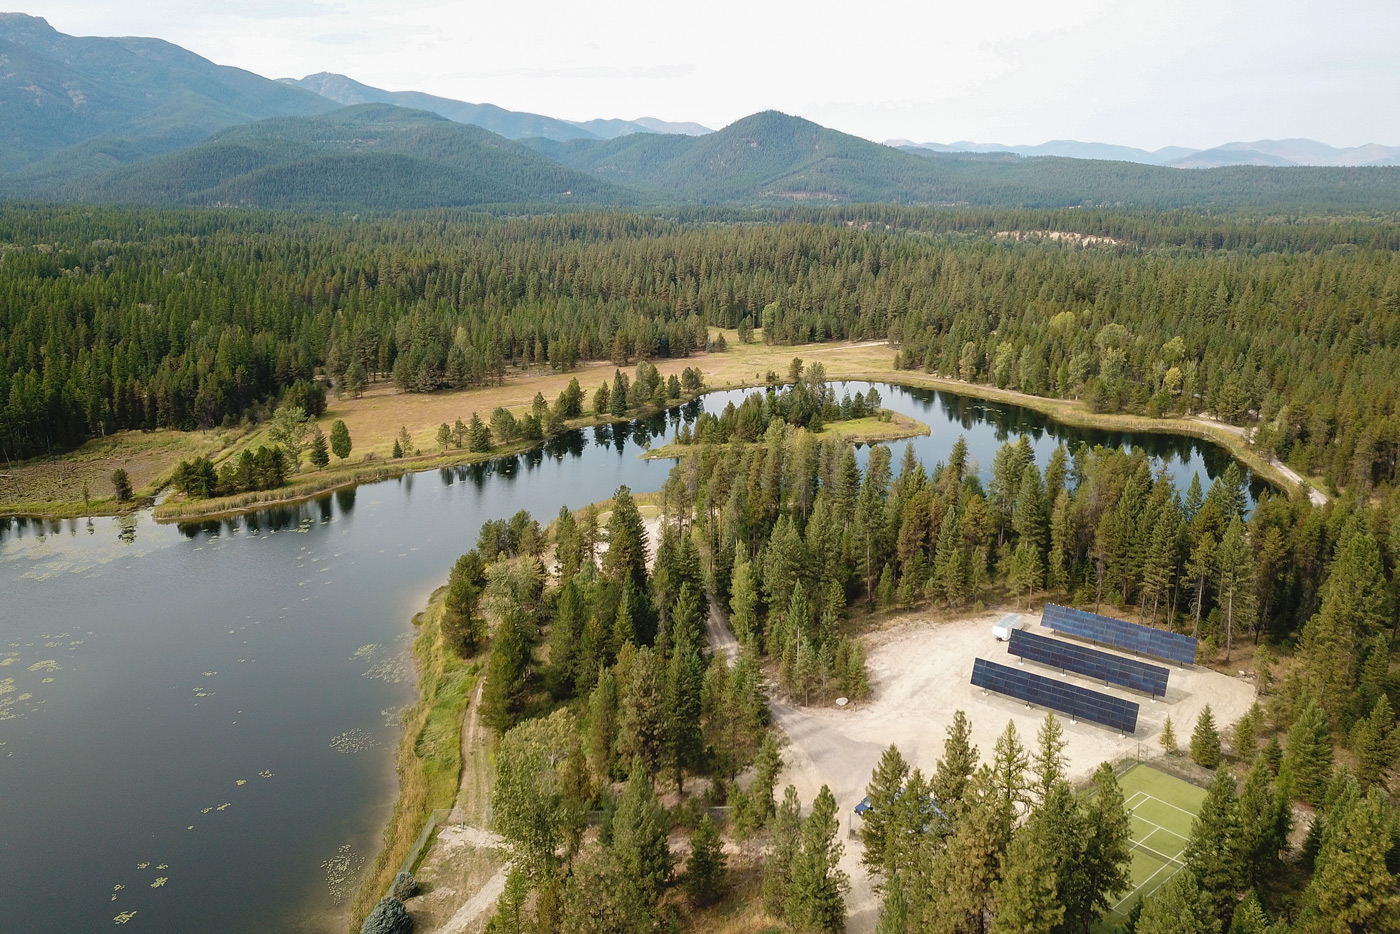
pixel 1072 700
pixel 1144 640
pixel 1082 660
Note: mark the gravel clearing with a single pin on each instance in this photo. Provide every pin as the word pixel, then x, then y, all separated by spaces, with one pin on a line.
pixel 919 675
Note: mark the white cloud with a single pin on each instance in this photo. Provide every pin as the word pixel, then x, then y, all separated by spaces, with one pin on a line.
pixel 1190 72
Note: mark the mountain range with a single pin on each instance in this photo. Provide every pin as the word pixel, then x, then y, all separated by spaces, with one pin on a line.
pixel 511 124
pixel 1273 152
pixel 143 121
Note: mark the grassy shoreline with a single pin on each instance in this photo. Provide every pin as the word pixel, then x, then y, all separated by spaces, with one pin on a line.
pixel 738 368
pixel 307 486
pixel 429 755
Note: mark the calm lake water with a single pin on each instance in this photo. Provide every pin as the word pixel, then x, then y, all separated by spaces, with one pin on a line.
pixel 197 723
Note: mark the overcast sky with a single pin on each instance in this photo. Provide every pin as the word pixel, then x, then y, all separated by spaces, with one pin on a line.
pixel 1181 72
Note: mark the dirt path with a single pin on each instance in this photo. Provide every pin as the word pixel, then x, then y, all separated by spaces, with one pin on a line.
pixel 474 790
pixel 717 630
pixel 465 870
pixel 1318 497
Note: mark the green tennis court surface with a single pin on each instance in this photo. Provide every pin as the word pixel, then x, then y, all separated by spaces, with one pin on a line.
pixel 1162 809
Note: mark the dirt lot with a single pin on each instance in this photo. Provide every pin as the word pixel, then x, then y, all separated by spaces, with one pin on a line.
pixel 919 675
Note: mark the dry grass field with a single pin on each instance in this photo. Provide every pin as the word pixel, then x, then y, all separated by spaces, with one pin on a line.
pixel 53 486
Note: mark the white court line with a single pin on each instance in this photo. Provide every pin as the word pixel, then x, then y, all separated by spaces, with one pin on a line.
pixel 1169 862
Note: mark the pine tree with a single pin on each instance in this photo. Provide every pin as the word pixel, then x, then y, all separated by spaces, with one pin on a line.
pixel 1025 894
pixel 1245 738
pixel 816 900
pixel 1307 759
pixel 478 435
pixel 444 436
pixel 949 560
pixel 1376 742
pixel 963 872
pixel 886 784
pixel 1265 821
pixel 1168 737
pixel 743 601
pixel 643 724
pixel 602 729
pixel 1099 872
pixel 894 908
pixel 640 828
pixel 1234 587
pixel 1355 605
pixel 784 843
pixel 767 765
pixel 705 867
pixel 1205 740
pixel 1177 908
pixel 684 744
pixel 461 628
pixel 1213 852
pixel 340 439
pixel 1049 758
pixel 1352 890
pixel 1009 774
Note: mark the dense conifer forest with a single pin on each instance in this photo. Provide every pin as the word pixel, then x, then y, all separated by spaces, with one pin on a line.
pixel 113 319
pixel 611 697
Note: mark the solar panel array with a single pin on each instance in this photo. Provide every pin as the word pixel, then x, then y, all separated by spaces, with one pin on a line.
pixel 1082 660
pixel 1144 640
pixel 1072 700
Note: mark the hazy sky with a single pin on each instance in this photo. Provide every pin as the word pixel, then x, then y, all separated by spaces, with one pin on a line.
pixel 1184 72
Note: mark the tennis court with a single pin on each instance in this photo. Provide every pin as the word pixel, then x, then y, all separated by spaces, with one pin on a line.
pixel 1162 809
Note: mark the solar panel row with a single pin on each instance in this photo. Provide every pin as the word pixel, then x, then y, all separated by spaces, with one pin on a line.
pixel 1144 640
pixel 1071 700
pixel 1082 660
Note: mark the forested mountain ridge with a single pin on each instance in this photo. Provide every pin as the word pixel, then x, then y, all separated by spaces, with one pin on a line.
pixel 73 104
pixel 772 157
pixel 366 157
pixel 511 124
pixel 121 319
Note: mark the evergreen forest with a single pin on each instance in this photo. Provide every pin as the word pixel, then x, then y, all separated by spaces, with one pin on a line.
pixel 113 319
pixel 617 694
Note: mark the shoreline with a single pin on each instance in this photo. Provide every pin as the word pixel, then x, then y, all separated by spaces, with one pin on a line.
pixel 1230 438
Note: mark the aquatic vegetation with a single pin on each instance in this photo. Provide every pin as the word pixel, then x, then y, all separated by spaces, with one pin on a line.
pixel 340 872
pixel 265 773
pixel 160 880
pixel 241 782
pixel 124 917
pixel 142 865
pixel 224 806
pixel 163 866
pixel 353 741
pixel 367 651
pixel 45 665
pixel 392 670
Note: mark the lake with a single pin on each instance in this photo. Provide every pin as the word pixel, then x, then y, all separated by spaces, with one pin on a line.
pixel 197 723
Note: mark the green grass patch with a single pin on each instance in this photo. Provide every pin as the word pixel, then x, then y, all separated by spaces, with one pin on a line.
pixel 429 757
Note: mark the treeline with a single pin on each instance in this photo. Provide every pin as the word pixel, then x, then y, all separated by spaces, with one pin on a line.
pixel 105 325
